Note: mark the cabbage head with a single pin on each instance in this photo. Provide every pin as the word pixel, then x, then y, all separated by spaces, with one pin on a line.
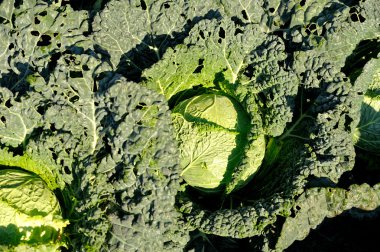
pixel 367 133
pixel 30 215
pixel 212 132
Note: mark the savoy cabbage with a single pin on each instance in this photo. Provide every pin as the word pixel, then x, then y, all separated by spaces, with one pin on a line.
pixel 162 125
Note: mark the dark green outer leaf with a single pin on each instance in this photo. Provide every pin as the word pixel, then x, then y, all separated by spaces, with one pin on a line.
pixel 110 147
pixel 40 30
pixel 316 204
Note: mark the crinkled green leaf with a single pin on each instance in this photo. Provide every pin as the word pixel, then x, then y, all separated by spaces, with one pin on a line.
pixel 339 32
pixel 6 10
pixel 136 33
pixel 134 174
pixel 316 204
pixel 40 30
pixel 17 122
pixel 215 57
pixel 255 12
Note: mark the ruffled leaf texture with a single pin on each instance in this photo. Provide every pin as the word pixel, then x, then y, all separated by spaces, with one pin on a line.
pixel 317 146
pixel 42 31
pixel 316 204
pixel 74 117
pixel 107 146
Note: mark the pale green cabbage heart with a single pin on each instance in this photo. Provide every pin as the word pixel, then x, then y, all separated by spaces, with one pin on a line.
pixel 367 133
pixel 212 133
pixel 29 212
